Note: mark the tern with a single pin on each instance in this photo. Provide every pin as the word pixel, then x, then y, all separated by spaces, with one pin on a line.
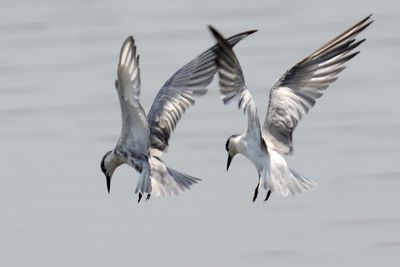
pixel 291 97
pixel 144 138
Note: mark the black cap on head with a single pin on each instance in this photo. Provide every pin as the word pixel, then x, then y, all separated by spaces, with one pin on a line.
pixel 227 144
pixel 229 140
pixel 104 170
pixel 102 165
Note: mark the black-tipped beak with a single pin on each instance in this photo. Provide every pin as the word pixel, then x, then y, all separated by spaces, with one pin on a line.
pixel 228 162
pixel 108 178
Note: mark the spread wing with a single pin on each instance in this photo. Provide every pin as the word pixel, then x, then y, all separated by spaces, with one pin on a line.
pixel 135 132
pixel 297 90
pixel 179 93
pixel 232 84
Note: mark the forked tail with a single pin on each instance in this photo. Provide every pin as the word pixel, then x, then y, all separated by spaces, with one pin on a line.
pixel 166 181
pixel 298 183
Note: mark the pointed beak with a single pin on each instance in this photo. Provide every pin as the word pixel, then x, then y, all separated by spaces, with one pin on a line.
pixel 108 178
pixel 228 163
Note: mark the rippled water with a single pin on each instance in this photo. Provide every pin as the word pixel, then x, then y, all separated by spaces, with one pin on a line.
pixel 59 114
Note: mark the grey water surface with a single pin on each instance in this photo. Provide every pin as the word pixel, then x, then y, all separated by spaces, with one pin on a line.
pixel 59 114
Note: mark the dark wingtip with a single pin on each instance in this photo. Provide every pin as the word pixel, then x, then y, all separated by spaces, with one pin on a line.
pixel 251 31
pixel 128 39
pixel 213 30
pixel 219 37
pixel 365 19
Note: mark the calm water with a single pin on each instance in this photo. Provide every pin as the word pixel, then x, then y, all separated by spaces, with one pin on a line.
pixel 59 114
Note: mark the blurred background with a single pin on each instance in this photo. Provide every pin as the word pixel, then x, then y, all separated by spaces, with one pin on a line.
pixel 59 114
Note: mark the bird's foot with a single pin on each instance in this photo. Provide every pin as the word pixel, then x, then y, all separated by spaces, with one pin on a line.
pixel 268 195
pixel 256 192
pixel 148 197
pixel 140 197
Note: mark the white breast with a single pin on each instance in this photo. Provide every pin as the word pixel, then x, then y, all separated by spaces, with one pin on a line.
pixel 254 152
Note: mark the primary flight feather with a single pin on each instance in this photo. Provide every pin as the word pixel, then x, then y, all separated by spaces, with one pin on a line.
pixel 144 138
pixel 291 97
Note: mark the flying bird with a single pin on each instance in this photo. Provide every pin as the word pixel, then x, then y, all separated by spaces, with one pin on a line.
pixel 144 138
pixel 291 97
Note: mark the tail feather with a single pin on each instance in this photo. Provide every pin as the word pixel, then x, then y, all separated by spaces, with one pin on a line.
pixel 184 180
pixel 144 184
pixel 297 183
pixel 166 181
pixel 282 179
pixel 172 183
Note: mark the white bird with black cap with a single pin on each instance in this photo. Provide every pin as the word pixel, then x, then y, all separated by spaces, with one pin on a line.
pixel 144 138
pixel 291 97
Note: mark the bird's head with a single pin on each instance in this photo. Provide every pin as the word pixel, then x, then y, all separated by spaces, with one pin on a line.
pixel 107 167
pixel 230 147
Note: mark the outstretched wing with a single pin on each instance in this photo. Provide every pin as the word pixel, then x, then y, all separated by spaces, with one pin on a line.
pixel 296 91
pixel 179 93
pixel 232 84
pixel 135 132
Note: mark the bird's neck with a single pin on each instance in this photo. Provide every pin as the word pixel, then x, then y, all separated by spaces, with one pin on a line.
pixel 239 145
pixel 253 150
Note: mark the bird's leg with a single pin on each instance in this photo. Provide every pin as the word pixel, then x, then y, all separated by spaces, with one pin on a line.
pixel 268 195
pixel 256 191
pixel 148 197
pixel 140 197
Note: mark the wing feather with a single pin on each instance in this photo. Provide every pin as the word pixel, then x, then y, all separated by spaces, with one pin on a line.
pixel 179 93
pixel 297 90
pixel 135 131
pixel 232 84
